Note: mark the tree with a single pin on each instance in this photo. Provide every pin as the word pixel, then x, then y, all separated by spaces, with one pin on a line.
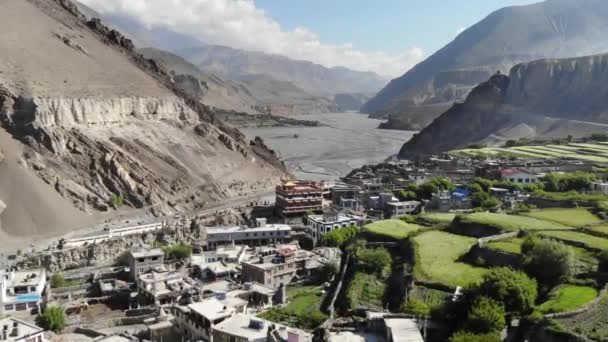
pixel 407 195
pixel 415 307
pixel 465 336
pixel 374 260
pixel 53 319
pixel 486 316
pixel 57 281
pixel 178 252
pixel 337 237
pixel 549 261
pixel 117 201
pixel 512 288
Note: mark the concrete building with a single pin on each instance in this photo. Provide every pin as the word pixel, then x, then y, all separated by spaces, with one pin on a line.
pixel 257 236
pixel 517 175
pixel 248 328
pixel 143 260
pixel 13 330
pixel 396 209
pixel 279 268
pixel 195 321
pixel 163 287
pixel 344 191
pixel 600 187
pixel 298 197
pixel 21 290
pixel 319 225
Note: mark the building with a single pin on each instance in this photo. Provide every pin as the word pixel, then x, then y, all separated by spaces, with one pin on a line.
pixel 600 187
pixel 257 236
pixel 163 287
pixel 288 262
pixel 298 197
pixel 21 290
pixel 352 204
pixel 344 191
pixel 222 263
pixel 12 329
pixel 143 260
pixel 195 321
pixel 319 225
pixel 396 209
pixel 247 328
pixel 517 175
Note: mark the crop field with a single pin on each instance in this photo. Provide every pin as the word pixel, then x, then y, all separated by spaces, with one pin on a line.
pixel 395 229
pixel 597 153
pixel 512 222
pixel 567 298
pixel 590 240
pixel 600 228
pixel 573 217
pixel 437 253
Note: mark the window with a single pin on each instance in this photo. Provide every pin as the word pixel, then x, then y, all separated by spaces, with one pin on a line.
pixel 32 288
pixel 21 307
pixel 519 180
pixel 9 307
pixel 32 305
pixel 140 260
pixel 281 268
pixel 20 290
pixel 155 258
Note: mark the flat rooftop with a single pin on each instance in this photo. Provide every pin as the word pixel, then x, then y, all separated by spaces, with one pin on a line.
pixel 25 328
pixel 144 253
pixel 212 309
pixel 238 325
pixel 237 229
pixel 22 278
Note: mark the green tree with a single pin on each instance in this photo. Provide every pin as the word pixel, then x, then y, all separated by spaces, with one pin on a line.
pixel 178 252
pixel 57 281
pixel 404 195
pixel 512 288
pixel 486 316
pixel 374 260
pixel 415 307
pixel 337 237
pixel 53 319
pixel 549 261
pixel 117 201
pixel 465 336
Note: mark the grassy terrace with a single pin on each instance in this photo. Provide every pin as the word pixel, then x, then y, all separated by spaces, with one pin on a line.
pixel 437 253
pixel 366 290
pixel 439 217
pixel 395 229
pixel 573 217
pixel 576 236
pixel 600 228
pixel 568 298
pixel 511 222
pixel 302 310
pixel 512 246
pixel 592 323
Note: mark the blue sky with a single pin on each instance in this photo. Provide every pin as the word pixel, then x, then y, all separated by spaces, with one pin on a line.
pixel 390 26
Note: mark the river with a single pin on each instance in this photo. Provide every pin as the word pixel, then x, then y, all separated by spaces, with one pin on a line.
pixel 346 141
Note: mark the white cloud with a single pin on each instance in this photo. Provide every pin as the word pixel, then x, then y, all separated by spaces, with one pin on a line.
pixel 240 24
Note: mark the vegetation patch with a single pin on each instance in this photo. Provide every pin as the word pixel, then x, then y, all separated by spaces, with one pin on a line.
pixel 437 255
pixel 439 217
pixel 302 311
pixel 592 323
pixel 394 229
pixel 511 222
pixel 366 290
pixel 512 246
pixel 568 298
pixel 574 217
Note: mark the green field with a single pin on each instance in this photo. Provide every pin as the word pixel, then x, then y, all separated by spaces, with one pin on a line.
pixel 576 236
pixel 439 217
pixel 600 228
pixel 568 298
pixel 511 222
pixel 597 153
pixel 302 310
pixel 573 217
pixel 437 253
pixel 512 246
pixel 366 290
pixel 395 229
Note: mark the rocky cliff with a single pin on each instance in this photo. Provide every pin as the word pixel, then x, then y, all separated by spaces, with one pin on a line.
pixel 98 127
pixel 545 98
pixel 512 35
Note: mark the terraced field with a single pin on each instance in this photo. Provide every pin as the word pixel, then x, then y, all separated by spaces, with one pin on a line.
pixel 512 222
pixel 590 240
pixel 573 217
pixel 437 255
pixel 395 229
pixel 596 152
pixel 568 298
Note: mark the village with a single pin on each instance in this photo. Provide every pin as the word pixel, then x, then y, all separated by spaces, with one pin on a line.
pixel 327 261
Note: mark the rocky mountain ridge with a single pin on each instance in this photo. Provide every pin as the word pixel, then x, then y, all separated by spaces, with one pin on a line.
pixel 509 36
pixel 104 127
pixel 545 98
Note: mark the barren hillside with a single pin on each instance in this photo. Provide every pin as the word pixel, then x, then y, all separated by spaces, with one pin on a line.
pixel 95 122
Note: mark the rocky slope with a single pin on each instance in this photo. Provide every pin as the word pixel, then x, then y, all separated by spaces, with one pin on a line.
pixel 313 78
pixel 545 98
pixel 550 29
pixel 97 124
pixel 254 95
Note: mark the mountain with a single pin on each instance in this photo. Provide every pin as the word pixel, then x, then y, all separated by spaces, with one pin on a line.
pixel 256 94
pixel 512 35
pixel 87 123
pixel 549 98
pixel 235 64
pixel 351 102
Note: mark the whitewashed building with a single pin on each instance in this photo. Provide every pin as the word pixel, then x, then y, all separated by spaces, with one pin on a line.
pixel 21 290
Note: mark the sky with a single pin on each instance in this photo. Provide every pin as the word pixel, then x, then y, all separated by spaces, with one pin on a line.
pixel 384 36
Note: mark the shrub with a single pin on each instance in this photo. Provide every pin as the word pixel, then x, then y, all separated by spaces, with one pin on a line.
pixel 465 336
pixel 178 252
pixel 415 307
pixel 512 288
pixel 549 261
pixel 337 237
pixel 57 281
pixel 486 316
pixel 53 319
pixel 374 260
pixel 117 201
